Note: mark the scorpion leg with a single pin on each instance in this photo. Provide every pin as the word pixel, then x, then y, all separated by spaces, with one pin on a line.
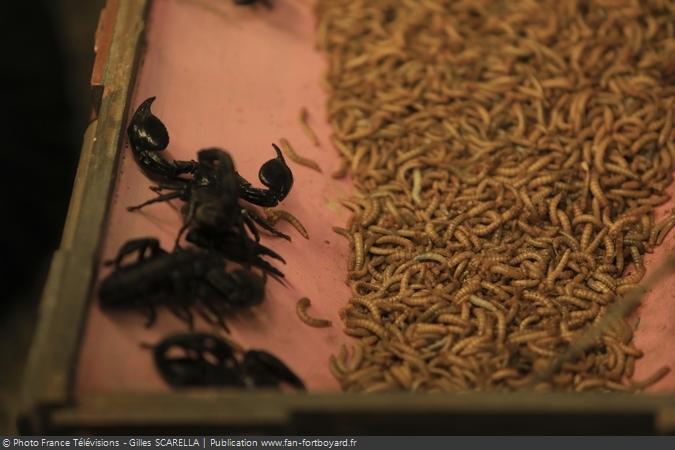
pixel 177 185
pixel 251 215
pixel 137 245
pixel 184 314
pixel 250 225
pixel 212 317
pixel 189 216
pixel 159 198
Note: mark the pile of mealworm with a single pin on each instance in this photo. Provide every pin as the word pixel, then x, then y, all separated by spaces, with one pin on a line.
pixel 507 157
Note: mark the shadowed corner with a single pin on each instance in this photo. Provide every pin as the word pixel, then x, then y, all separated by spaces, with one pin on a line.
pixel 48 56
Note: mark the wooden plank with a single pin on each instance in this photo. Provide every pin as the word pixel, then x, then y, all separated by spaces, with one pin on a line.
pixel 50 366
pixel 102 42
pixel 271 412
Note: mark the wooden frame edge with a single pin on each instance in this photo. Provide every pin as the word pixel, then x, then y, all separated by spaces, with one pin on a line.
pixel 266 412
pixel 48 379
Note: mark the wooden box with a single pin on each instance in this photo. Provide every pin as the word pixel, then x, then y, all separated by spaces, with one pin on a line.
pixel 54 400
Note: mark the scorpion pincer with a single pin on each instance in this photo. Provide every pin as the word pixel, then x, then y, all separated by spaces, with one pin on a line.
pixel 148 137
pixel 185 280
pixel 201 359
pixel 197 359
pixel 275 175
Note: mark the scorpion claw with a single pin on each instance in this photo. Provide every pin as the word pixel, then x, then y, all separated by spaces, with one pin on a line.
pixel 275 175
pixel 148 136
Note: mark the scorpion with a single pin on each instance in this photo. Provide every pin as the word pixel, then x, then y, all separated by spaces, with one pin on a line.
pixel 148 136
pixel 213 206
pixel 201 359
pixel 182 280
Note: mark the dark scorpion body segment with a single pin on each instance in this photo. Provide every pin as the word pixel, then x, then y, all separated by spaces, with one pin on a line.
pixel 183 281
pixel 212 197
pixel 233 248
pixel 204 360
pixel 264 369
pixel 200 359
pixel 148 137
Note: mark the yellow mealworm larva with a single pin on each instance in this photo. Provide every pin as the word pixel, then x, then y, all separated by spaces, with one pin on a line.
pixel 368 325
pixel 301 309
pixel 522 338
pixel 477 301
pixel 597 191
pixel 417 186
pixel 293 156
pixel 564 221
pixel 432 257
pixel 274 215
pixel 585 236
pixel 335 369
pixel 370 304
pixel 357 358
pixel 304 115
pixel 372 213
pixel 653 379
pixel 358 251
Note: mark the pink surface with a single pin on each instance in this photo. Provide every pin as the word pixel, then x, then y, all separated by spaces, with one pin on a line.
pixel 236 77
pixel 655 334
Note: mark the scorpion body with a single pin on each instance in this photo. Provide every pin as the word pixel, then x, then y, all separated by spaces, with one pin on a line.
pixel 200 359
pixel 233 248
pixel 213 202
pixel 183 280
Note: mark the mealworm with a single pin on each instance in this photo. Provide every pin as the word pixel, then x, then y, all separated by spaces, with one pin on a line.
pixel 368 325
pixel 653 379
pixel 303 117
pixel 301 309
pixel 522 338
pixel 358 251
pixel 431 257
pixel 663 228
pixel 544 168
pixel 274 215
pixel 293 156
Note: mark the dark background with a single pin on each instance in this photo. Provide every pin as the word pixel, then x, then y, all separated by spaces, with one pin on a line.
pixel 46 57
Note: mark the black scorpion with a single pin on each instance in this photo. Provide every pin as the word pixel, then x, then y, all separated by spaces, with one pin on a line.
pixel 200 359
pixel 183 280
